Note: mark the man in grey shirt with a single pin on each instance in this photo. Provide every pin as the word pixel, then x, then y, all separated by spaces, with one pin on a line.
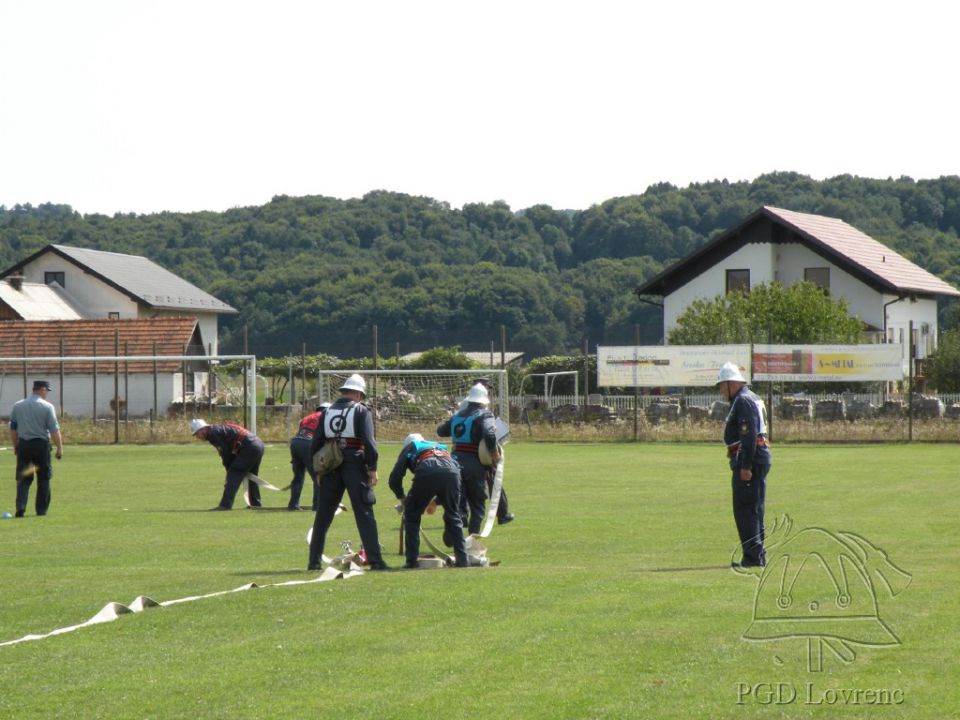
pixel 33 424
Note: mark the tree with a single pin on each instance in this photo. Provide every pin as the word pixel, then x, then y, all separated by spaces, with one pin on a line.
pixel 943 367
pixel 442 358
pixel 322 271
pixel 799 314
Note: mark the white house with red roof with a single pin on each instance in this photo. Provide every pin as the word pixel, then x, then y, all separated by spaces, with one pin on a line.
pixel 117 286
pixel 76 302
pixel 881 287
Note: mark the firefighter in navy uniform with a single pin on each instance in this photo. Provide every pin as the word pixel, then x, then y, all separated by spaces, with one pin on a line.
pixel 435 475
pixel 504 515
pixel 301 459
pixel 745 435
pixel 350 423
pixel 469 427
pixel 240 451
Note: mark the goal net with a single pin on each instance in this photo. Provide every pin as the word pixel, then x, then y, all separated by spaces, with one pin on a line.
pixel 407 401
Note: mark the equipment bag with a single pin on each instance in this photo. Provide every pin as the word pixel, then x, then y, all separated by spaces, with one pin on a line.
pixel 329 457
pixel 483 455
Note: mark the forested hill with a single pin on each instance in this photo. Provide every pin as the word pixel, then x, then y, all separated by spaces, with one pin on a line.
pixel 322 271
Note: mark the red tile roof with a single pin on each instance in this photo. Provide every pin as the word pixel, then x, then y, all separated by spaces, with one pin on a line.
pixel 866 253
pixel 172 335
pixel 870 261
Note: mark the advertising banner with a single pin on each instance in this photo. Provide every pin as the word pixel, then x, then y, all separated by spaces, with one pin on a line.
pixel 667 366
pixel 825 363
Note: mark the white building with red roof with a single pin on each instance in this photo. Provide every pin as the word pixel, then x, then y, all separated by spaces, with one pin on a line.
pixel 73 302
pixel 881 287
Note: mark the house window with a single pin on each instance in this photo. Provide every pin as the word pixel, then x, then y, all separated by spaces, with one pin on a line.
pixel 738 281
pixel 113 316
pixel 55 277
pixel 818 276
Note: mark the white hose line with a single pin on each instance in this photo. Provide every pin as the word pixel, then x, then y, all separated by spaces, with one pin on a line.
pixel 494 499
pixel 113 610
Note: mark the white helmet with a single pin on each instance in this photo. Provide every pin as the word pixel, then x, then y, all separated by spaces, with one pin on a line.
pixel 413 437
pixel 323 406
pixel 196 425
pixel 478 394
pixel 355 382
pixel 729 371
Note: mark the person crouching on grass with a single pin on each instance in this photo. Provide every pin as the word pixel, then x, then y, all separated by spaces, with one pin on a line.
pixel 240 451
pixel 435 475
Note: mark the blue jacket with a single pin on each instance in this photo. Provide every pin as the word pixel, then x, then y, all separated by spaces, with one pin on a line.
pixel 422 458
pixel 745 433
pixel 469 427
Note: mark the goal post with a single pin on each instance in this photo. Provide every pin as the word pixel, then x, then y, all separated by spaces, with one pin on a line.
pixel 548 380
pixel 550 377
pixel 407 401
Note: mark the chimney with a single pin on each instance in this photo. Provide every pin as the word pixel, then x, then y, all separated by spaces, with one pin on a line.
pixel 16 282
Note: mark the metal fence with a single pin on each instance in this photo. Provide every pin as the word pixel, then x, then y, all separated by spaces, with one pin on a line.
pixel 801 417
pixel 625 403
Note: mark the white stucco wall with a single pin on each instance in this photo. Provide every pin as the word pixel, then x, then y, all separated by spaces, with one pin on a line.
pixel 755 257
pixel 75 398
pixel 209 332
pixel 863 301
pixel 98 300
pixel 923 312
pixel 206 322
pixel 95 296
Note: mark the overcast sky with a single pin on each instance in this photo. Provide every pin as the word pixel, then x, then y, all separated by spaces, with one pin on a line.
pixel 125 106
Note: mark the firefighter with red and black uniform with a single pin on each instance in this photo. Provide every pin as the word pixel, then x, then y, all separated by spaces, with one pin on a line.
pixel 300 458
pixel 240 451
pixel 748 449
pixel 349 423
pixel 435 475
pixel 468 428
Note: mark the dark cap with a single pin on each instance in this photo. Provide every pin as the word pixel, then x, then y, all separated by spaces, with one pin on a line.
pixel 41 385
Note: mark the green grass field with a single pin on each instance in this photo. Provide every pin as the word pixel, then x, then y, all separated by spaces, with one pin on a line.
pixel 614 597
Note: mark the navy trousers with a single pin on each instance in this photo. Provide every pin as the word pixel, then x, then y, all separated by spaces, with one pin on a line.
pixel 36 452
pixel 245 461
pixel 445 486
pixel 302 465
pixel 473 490
pixel 352 478
pixel 748 509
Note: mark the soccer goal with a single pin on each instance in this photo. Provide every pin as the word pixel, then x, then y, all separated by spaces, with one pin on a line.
pixel 406 401
pixel 548 383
